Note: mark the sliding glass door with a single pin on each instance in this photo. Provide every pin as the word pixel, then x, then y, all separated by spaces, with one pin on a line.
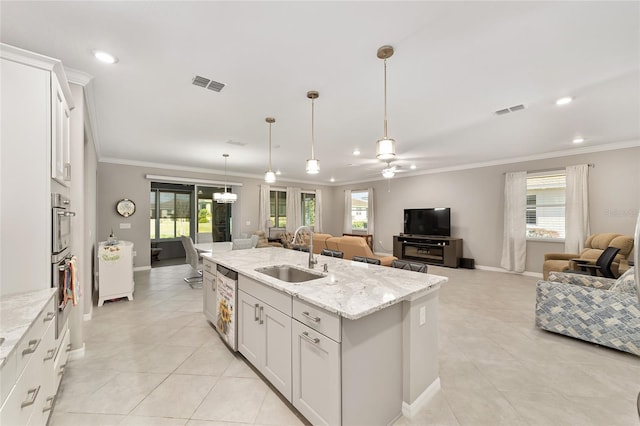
pixel 213 219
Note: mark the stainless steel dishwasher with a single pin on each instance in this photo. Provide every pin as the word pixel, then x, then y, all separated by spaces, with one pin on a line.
pixel 226 302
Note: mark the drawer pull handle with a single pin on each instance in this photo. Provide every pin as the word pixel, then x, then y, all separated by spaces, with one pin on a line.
pixel 62 369
pixel 33 345
pixel 50 354
pixel 310 339
pixel 49 317
pixel 255 312
pixel 308 316
pixel 32 394
pixel 49 407
pixel 261 312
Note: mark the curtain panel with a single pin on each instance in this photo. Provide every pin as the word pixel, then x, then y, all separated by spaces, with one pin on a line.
pixel 346 227
pixel 514 241
pixel 370 216
pixel 264 212
pixel 577 208
pixel 317 226
pixel 294 208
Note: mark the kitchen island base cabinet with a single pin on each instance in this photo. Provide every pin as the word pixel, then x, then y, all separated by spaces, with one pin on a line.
pixel 209 290
pixel 316 375
pixel 264 332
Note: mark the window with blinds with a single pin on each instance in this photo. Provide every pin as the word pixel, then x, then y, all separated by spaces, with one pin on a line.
pixel 546 199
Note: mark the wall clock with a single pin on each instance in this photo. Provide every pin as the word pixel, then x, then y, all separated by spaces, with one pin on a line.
pixel 125 207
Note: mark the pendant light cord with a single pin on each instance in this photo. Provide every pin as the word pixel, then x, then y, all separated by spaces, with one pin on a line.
pixel 385 99
pixel 312 141
pixel 270 146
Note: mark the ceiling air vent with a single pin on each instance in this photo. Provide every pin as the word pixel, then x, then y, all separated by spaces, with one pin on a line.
pixel 508 110
pixel 207 83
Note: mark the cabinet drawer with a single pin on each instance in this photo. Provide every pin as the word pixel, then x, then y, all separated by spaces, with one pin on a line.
pixel 61 356
pixel 208 266
pixel 8 376
pixel 33 338
pixel 279 300
pixel 317 318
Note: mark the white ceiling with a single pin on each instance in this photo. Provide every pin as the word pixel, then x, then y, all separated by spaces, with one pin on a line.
pixel 455 63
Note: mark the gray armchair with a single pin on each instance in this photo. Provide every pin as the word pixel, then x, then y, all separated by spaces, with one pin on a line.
pixel 599 310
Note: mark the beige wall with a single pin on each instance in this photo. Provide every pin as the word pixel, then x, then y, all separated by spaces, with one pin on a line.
pixel 116 181
pixel 476 200
pixel 474 195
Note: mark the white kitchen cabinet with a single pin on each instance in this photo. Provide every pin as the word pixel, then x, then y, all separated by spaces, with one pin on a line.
pixel 32 388
pixel 115 271
pixel 60 135
pixel 209 290
pixel 316 375
pixel 264 333
pixel 26 119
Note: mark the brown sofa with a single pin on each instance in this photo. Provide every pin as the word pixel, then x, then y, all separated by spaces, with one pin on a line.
pixel 594 246
pixel 354 246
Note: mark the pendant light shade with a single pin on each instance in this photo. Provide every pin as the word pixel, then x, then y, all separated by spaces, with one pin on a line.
pixel 385 147
pixel 225 197
pixel 313 165
pixel 270 176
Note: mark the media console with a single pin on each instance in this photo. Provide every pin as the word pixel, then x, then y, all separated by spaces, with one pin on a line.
pixel 445 251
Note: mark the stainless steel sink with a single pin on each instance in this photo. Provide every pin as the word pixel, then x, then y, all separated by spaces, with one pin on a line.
pixel 289 273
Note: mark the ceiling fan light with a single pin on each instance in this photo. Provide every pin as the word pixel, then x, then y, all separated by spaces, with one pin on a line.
pixel 388 173
pixel 386 149
pixel 313 166
pixel 269 177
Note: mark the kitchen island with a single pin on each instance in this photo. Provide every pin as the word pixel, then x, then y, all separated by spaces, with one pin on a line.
pixel 357 344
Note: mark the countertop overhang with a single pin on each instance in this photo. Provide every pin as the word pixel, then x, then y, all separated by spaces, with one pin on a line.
pixel 350 289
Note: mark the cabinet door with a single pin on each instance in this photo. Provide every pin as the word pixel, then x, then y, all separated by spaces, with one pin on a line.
pixel 250 331
pixel 316 375
pixel 209 296
pixel 60 135
pixel 276 365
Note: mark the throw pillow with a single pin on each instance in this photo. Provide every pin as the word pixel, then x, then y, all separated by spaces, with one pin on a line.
pixel 626 283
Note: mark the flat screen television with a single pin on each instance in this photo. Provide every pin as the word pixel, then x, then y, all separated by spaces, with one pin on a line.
pixel 435 222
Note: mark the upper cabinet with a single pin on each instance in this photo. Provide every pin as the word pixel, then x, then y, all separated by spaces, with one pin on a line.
pixel 34 129
pixel 60 137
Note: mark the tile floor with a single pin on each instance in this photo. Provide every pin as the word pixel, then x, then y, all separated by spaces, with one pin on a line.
pixel 157 361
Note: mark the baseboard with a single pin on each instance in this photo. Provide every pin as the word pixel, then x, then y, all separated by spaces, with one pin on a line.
pixel 504 271
pixel 142 268
pixel 77 353
pixel 410 410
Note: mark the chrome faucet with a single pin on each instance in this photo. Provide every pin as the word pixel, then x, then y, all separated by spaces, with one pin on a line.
pixel 312 261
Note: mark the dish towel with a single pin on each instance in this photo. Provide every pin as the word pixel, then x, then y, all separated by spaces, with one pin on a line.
pixel 73 288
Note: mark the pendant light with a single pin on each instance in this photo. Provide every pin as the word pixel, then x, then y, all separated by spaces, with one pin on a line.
pixel 313 165
pixel 270 176
pixel 225 197
pixel 385 147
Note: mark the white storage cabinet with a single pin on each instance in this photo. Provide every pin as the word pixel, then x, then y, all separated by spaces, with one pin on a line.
pixel 115 271
pixel 264 333
pixel 209 290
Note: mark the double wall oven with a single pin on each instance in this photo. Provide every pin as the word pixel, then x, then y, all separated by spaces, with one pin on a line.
pixel 61 257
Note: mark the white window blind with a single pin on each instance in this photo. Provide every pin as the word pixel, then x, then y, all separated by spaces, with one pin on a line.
pixel 546 199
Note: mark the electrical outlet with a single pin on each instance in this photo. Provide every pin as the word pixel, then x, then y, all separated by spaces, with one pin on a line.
pixel 423 315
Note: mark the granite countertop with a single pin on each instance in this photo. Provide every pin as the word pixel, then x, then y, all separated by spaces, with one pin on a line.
pixel 17 313
pixel 350 289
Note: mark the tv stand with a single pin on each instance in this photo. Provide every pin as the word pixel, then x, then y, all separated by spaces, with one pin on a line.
pixel 443 251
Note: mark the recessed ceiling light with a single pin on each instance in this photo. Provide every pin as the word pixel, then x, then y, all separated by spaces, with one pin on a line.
pixel 564 101
pixel 356 151
pixel 578 140
pixel 105 57
pixel 413 167
pixel 332 180
pixel 278 172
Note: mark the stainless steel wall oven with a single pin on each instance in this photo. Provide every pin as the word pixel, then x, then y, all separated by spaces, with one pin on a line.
pixel 61 257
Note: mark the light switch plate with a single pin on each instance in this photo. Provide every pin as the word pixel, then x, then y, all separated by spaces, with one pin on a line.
pixel 125 226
